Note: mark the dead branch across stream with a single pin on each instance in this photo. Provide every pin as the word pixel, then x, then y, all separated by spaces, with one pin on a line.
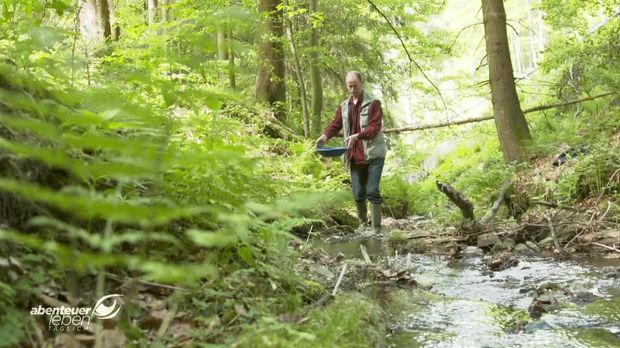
pixel 485 118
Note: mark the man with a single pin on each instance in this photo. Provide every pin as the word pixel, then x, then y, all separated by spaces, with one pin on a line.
pixel 360 117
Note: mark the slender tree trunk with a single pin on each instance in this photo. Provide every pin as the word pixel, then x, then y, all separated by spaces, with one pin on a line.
pixel 231 58
pixel 164 10
pixel 103 18
pixel 300 78
pixel 315 75
pixel 510 122
pixel 270 77
pixel 116 29
pixel 152 11
pixel 222 47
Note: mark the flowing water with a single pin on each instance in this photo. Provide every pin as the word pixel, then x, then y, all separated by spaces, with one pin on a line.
pixel 464 304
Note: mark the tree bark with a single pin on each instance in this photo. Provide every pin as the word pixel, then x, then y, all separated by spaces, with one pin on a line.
pixel 152 11
pixel 300 77
pixel 103 16
pixel 315 74
pixel 270 77
pixel 510 122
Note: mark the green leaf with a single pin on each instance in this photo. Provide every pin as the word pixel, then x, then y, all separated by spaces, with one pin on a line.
pixel 212 239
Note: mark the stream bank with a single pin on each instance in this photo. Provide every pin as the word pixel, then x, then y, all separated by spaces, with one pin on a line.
pixel 437 291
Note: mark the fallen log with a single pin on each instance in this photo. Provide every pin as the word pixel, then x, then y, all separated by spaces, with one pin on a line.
pixel 486 118
pixel 467 208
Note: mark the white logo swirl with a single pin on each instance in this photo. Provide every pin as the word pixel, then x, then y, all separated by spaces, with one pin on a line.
pixel 106 312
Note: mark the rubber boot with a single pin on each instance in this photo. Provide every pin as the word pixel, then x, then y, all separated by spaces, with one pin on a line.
pixel 375 214
pixel 362 215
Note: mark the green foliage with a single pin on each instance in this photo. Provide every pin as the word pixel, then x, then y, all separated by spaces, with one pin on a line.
pixel 594 173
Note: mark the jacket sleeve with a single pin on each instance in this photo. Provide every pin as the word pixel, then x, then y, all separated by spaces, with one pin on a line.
pixel 374 123
pixel 335 126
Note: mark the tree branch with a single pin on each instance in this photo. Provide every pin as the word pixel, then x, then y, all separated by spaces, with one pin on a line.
pixel 460 32
pixel 411 60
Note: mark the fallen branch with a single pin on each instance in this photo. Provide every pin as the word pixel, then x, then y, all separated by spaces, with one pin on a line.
pixel 486 118
pixel 552 229
pixel 556 205
pixel 606 246
pixel 365 254
pixel 570 102
pixel 498 202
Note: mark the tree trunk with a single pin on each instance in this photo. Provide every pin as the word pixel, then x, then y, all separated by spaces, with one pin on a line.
pixel 152 11
pixel 510 122
pixel 315 75
pixel 164 10
pixel 103 15
pixel 300 78
pixel 116 29
pixel 88 21
pixel 222 47
pixel 231 58
pixel 270 77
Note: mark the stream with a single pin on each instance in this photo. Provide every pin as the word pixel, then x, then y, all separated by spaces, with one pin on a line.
pixel 464 304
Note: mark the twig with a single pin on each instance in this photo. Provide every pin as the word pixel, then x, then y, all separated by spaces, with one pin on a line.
pixel 344 269
pixel 460 32
pixel 172 287
pixel 309 232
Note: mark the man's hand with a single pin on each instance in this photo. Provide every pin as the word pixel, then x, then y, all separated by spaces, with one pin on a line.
pixel 321 141
pixel 350 139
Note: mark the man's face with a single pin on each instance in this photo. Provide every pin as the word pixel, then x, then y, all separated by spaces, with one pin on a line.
pixel 354 86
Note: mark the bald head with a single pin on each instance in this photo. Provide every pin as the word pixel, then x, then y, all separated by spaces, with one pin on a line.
pixel 355 84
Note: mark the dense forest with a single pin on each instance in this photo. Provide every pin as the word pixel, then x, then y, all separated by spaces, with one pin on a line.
pixel 161 185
